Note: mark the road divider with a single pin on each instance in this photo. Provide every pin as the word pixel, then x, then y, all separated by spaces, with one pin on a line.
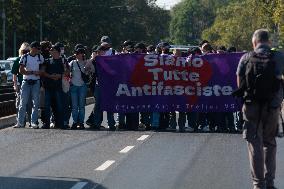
pixel 105 165
pixel 143 137
pixel 126 149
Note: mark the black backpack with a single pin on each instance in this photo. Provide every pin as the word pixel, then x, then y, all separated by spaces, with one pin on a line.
pixel 26 58
pixel 260 80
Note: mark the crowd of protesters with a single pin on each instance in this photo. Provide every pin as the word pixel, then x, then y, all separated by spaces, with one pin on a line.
pixel 45 79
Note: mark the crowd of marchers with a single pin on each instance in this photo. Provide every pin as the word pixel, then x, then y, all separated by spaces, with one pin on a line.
pixel 52 87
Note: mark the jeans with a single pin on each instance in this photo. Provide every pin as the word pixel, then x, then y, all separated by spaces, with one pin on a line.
pixel 78 98
pixel 28 108
pixel 155 119
pixel 28 91
pixel 56 97
pixel 98 114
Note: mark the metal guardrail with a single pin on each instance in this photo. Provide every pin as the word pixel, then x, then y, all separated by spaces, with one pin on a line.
pixel 8 98
pixel 7 108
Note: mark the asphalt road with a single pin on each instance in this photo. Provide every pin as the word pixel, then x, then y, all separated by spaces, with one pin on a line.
pixel 65 159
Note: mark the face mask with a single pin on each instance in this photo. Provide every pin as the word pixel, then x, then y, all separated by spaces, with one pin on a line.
pixel 62 51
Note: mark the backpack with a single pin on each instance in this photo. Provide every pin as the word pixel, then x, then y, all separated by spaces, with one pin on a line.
pixel 26 58
pixel 260 80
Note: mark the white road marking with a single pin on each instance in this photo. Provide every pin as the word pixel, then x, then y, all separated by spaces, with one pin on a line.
pixel 143 137
pixel 79 185
pixel 126 149
pixel 105 165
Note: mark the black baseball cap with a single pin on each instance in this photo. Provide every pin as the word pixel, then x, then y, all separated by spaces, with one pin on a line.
pixel 165 45
pixel 55 47
pixel 150 48
pixel 140 46
pixel 59 44
pixel 35 44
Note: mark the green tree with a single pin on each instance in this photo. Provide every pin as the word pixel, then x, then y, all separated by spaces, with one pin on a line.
pixel 191 17
pixel 235 23
pixel 85 21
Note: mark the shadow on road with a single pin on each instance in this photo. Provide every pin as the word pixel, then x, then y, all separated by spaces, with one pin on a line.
pixel 46 183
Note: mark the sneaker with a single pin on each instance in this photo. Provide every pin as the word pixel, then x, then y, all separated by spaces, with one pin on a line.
pixel 89 123
pixel 35 126
pixel 190 129
pixel 112 128
pixel 18 126
pixel 81 126
pixel 206 129
pixel 142 126
pixel 52 125
pixel 74 126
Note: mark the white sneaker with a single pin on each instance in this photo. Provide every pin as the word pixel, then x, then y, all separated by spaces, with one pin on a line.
pixel 35 126
pixel 18 126
pixel 52 125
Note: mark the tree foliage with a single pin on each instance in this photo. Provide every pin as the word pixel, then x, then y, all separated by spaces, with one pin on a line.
pixel 191 17
pixel 235 23
pixel 85 21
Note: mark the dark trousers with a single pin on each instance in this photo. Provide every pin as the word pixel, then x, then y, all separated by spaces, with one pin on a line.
pixel 54 96
pixel 132 121
pixel 260 130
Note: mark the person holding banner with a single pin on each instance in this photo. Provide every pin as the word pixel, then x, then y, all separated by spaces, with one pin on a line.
pixel 127 47
pixel 97 113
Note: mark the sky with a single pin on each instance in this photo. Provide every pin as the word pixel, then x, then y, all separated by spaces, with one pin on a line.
pixel 167 3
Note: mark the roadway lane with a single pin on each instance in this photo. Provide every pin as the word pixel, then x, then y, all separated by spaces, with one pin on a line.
pixel 65 159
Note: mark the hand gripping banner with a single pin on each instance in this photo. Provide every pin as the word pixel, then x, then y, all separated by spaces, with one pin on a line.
pixel 153 83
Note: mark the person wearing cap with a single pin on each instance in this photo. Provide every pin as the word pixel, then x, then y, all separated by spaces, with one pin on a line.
pixel 61 46
pixel 140 48
pixel 73 57
pixel 17 80
pixel 167 119
pixel 53 72
pixel 97 115
pixel 150 49
pixel 78 88
pixel 30 68
pixel 106 43
pixel 145 118
pixel 66 98
pixel 127 47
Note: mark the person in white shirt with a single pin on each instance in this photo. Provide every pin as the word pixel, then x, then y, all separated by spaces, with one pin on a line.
pixel 30 69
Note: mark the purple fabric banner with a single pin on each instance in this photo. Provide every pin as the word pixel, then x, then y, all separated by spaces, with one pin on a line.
pixel 152 83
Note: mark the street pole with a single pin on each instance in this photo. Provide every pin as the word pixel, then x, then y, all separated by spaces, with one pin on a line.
pixel 40 24
pixel 3 31
pixel 14 40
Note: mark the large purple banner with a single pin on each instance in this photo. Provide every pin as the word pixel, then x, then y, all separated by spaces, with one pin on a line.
pixel 153 83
